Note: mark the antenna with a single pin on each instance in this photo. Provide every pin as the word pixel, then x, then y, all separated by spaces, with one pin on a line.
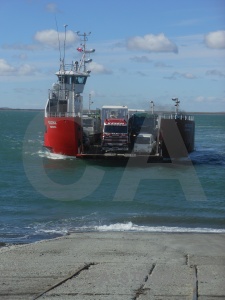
pixel 90 102
pixel 58 38
pixel 64 44
pixel 176 104
pixel 84 39
pixel 152 106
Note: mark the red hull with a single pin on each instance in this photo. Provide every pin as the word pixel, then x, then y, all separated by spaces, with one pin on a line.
pixel 63 135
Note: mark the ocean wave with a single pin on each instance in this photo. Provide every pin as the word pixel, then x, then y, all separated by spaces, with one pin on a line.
pixel 35 233
pixel 53 231
pixel 136 228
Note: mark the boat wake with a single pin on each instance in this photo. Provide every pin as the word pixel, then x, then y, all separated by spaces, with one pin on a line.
pixel 54 156
pixel 202 157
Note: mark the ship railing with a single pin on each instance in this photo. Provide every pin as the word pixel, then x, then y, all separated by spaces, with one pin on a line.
pixel 67 67
pixel 178 116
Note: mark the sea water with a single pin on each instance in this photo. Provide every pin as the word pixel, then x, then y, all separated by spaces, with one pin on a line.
pixel 44 195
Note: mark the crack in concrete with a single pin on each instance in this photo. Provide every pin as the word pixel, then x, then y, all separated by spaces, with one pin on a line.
pixel 187 259
pixel 85 267
pixel 195 283
pixel 141 290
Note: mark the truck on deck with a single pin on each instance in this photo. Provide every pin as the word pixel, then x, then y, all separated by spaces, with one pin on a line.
pixel 92 127
pixel 115 135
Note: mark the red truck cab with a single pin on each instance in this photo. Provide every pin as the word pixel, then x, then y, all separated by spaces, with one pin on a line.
pixel 115 135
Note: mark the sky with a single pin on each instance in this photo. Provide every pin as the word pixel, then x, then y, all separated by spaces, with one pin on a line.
pixel 146 50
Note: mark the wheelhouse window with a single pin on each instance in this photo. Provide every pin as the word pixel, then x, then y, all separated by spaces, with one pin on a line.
pixel 80 79
pixel 68 79
pixel 60 78
pixel 64 79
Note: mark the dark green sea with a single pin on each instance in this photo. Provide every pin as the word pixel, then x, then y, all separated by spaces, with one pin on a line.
pixel 43 195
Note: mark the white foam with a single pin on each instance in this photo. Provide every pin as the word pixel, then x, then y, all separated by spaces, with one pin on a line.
pixel 53 231
pixel 132 227
pixel 53 156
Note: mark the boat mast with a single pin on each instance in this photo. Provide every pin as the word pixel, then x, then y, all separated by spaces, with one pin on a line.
pixel 64 47
pixel 85 51
pixel 152 106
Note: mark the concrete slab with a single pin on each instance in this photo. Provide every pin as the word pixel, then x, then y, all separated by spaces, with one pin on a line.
pixel 21 285
pixel 148 296
pixel 17 297
pixel 210 298
pixel 171 280
pixel 105 279
pixel 33 260
pixel 206 260
pixel 86 297
pixel 116 297
pixel 122 263
pixel 119 246
pixel 211 281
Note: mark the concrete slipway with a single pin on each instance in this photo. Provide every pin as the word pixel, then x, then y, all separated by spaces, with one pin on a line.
pixel 116 266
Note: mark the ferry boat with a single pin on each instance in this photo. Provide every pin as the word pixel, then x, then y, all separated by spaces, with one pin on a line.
pixel 70 132
pixel 63 111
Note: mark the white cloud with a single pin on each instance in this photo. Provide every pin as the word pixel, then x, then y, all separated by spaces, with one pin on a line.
pixel 21 56
pixel 51 38
pixel 98 69
pixel 188 75
pixel 141 74
pixel 8 70
pixel 209 99
pixel 24 47
pixel 5 68
pixel 177 75
pixel 200 99
pixel 161 64
pixel 215 73
pixel 26 69
pixel 188 22
pixel 215 40
pixel 140 59
pixel 152 43
pixel 52 8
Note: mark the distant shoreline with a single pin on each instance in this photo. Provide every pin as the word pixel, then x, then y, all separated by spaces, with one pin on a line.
pixel 23 109
pixel 191 113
